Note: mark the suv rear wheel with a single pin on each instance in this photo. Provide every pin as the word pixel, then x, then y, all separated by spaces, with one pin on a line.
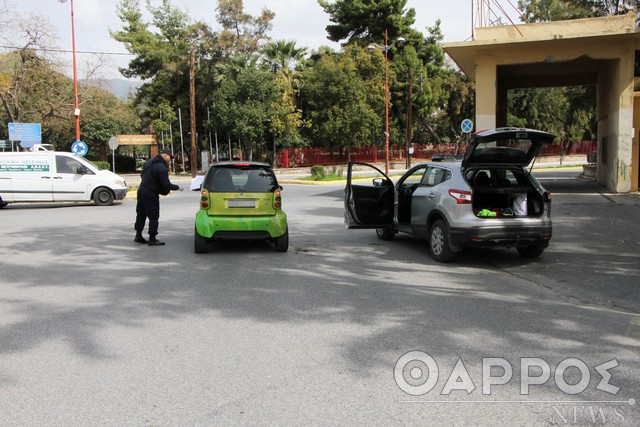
pixel 530 251
pixel 439 242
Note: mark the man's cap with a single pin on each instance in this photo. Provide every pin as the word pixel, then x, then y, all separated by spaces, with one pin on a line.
pixel 167 151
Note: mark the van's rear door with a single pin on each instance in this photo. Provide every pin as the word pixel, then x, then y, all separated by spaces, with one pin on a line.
pixel 31 176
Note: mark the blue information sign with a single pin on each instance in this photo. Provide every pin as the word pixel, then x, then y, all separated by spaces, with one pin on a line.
pixel 79 148
pixel 25 132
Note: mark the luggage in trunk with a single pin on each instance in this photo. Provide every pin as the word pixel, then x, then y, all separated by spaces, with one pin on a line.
pixel 504 197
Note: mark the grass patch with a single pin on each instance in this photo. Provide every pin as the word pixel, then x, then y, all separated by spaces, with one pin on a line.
pixel 319 173
pixel 325 177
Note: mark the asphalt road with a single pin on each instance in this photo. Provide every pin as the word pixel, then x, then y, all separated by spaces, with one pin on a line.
pixel 97 330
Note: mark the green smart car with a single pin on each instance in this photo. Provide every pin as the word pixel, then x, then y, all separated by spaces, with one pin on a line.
pixel 240 200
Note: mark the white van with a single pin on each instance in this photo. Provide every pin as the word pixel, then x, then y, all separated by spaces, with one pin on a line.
pixel 56 176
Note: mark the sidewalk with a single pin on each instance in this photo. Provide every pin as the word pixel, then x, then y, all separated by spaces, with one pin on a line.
pixel 295 175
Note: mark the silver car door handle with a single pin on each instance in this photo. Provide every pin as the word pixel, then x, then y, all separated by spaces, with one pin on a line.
pixel 57 177
pixel 45 177
pixel 431 196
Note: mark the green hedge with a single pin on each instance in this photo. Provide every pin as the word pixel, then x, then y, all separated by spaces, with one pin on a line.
pixel 124 164
pixel 102 165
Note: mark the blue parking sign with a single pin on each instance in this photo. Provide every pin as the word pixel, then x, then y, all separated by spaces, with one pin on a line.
pixel 466 126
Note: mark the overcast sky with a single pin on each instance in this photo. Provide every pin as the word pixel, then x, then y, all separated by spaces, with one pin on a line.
pixel 301 20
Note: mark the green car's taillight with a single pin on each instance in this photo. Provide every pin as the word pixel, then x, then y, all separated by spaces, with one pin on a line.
pixel 204 199
pixel 277 200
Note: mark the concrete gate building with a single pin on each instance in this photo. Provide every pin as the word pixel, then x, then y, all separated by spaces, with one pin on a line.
pixel 596 51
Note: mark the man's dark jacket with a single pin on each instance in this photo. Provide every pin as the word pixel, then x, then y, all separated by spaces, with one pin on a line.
pixel 155 177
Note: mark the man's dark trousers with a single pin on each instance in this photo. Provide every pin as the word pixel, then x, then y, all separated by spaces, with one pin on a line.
pixel 148 207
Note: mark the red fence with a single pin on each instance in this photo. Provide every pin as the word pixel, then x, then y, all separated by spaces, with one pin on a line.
pixel 303 157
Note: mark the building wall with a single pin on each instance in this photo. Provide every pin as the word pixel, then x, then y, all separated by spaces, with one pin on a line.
pixel 635 151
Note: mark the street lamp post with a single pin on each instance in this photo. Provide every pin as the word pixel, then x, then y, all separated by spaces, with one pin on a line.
pixel 76 105
pixel 386 49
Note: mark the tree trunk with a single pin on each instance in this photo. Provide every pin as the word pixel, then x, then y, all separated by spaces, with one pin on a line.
pixel 424 122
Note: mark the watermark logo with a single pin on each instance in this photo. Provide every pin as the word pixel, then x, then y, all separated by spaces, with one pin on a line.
pixel 417 373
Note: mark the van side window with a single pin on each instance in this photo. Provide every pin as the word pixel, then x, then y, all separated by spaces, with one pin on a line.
pixel 67 165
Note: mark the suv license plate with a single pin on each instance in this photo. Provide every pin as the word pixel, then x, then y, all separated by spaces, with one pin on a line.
pixel 242 203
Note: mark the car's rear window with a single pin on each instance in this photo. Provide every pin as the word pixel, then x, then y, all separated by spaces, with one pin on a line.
pixel 245 178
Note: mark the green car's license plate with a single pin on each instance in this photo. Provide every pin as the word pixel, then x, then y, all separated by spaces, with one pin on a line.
pixel 242 203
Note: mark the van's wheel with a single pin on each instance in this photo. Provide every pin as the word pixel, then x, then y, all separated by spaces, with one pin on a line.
pixel 439 242
pixel 103 197
pixel 282 242
pixel 530 251
pixel 3 204
pixel 199 243
pixel 385 233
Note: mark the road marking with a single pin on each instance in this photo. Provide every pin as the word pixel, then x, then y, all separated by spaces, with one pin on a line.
pixel 635 321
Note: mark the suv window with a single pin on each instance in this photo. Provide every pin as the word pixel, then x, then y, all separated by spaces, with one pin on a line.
pixel 247 178
pixel 415 178
pixel 435 176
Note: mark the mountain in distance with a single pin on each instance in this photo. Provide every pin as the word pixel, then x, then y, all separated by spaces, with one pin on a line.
pixel 122 88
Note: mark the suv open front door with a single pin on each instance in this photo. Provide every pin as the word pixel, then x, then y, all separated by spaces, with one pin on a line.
pixel 368 202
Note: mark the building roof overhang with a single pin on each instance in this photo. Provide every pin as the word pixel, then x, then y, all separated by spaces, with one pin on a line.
pixel 541 37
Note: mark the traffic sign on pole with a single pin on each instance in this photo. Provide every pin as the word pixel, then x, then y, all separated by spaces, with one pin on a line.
pixel 79 148
pixel 466 126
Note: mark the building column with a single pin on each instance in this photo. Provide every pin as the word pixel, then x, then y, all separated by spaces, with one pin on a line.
pixel 486 95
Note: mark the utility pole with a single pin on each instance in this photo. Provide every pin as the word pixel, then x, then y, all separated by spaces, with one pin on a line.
pixel 181 139
pixel 409 118
pixel 192 114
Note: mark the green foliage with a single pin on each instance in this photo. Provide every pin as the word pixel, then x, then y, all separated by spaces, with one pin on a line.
pixel 556 10
pixel 568 112
pixel 241 33
pixel 282 58
pixel 242 106
pixel 343 99
pixel 317 172
pixel 102 165
pixel 366 21
pixel 104 116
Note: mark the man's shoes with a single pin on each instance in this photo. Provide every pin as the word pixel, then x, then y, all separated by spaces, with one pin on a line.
pixel 140 239
pixel 155 242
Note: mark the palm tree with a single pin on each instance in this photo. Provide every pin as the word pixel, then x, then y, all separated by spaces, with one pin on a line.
pixel 281 55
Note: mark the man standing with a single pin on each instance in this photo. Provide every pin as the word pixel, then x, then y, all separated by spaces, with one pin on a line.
pixel 155 181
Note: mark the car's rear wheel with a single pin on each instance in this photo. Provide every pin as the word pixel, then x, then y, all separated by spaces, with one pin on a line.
pixel 385 233
pixel 439 242
pixel 199 243
pixel 282 242
pixel 530 251
pixel 3 204
pixel 103 197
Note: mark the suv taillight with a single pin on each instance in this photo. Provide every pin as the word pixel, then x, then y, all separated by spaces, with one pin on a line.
pixel 204 199
pixel 546 197
pixel 462 197
pixel 277 199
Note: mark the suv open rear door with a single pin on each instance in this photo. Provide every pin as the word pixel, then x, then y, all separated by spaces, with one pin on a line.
pixel 505 147
pixel 368 201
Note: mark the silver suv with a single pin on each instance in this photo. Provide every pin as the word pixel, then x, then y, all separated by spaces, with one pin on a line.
pixel 488 199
